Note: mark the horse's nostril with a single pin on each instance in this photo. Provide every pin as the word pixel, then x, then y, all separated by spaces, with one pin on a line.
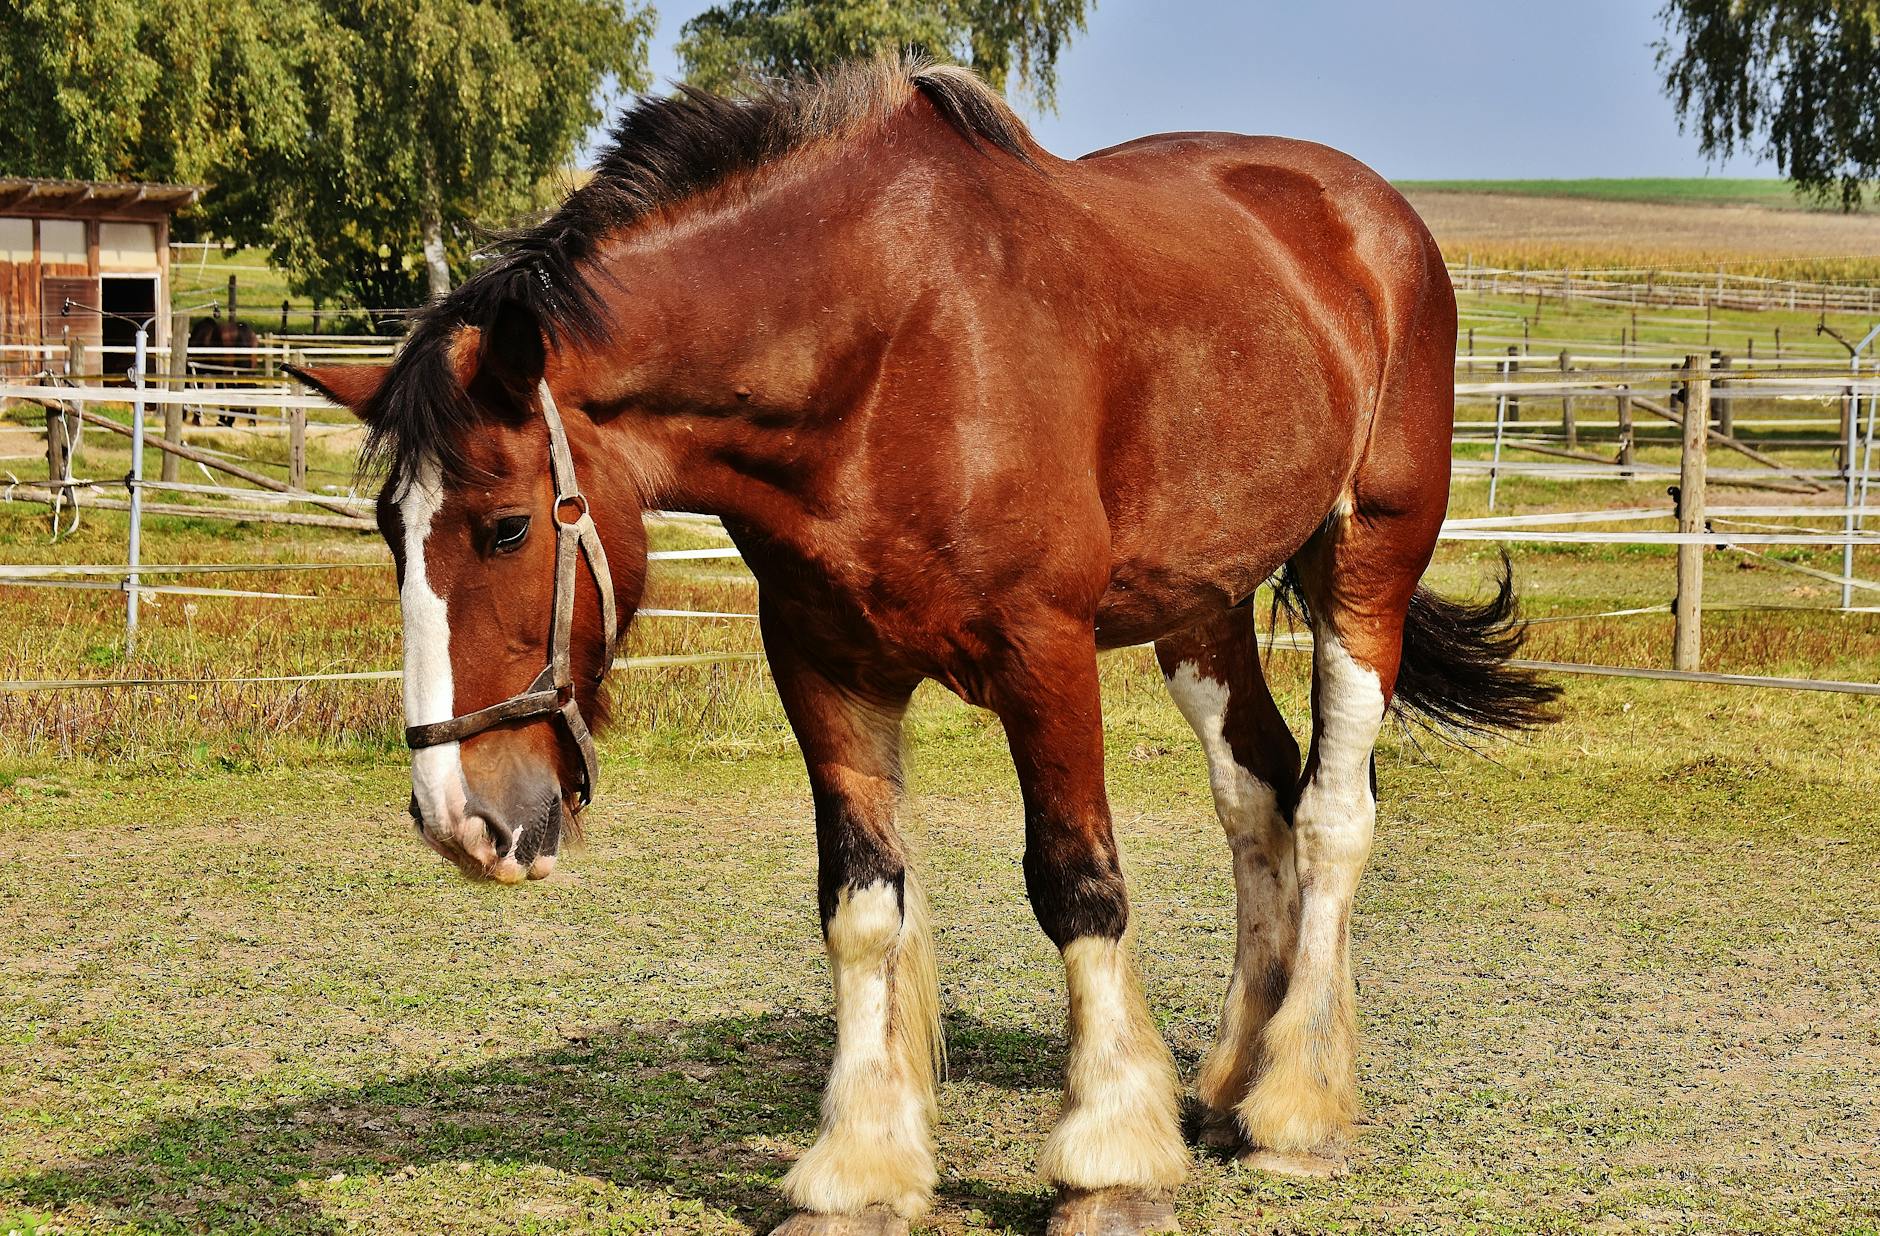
pixel 502 836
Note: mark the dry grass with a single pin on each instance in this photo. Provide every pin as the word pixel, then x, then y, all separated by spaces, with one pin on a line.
pixel 1549 233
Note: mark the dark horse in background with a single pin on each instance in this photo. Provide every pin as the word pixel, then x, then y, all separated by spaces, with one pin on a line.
pixel 972 413
pixel 219 332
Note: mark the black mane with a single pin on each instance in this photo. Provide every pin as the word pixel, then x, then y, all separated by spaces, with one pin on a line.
pixel 662 151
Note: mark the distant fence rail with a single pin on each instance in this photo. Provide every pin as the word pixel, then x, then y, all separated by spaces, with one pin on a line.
pixel 1658 287
pixel 1686 398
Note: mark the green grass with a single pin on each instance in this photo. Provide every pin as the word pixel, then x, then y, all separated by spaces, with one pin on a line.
pixel 200 277
pixel 1615 981
pixel 1694 190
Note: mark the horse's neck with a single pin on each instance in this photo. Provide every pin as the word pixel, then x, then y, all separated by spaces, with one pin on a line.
pixel 742 343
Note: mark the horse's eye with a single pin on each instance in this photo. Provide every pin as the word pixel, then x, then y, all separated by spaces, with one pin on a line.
pixel 510 530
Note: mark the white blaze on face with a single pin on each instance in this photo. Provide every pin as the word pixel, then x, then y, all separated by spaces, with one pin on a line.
pixel 430 696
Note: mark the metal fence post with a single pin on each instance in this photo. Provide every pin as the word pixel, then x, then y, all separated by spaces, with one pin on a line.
pixel 135 483
pixel 1851 436
pixel 1501 422
pixel 297 449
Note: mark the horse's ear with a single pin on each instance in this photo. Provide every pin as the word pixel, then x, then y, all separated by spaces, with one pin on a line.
pixel 511 352
pixel 350 386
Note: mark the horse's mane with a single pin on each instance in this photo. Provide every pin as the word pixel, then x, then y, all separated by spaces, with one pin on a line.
pixel 662 152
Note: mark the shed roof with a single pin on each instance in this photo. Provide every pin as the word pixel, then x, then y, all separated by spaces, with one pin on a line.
pixel 90 197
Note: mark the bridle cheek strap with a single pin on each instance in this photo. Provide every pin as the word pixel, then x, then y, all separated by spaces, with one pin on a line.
pixel 552 692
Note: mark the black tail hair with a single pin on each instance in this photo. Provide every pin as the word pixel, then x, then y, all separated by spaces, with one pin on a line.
pixel 1455 678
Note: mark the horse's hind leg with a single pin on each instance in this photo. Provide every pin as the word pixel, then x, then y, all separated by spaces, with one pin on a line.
pixel 1213 672
pixel 1357 574
pixel 871 1167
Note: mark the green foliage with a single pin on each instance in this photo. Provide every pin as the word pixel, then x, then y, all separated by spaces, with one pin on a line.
pixel 1005 41
pixel 143 89
pixel 449 112
pixel 1797 80
pixel 333 131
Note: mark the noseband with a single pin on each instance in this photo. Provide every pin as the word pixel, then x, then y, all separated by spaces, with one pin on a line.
pixel 553 688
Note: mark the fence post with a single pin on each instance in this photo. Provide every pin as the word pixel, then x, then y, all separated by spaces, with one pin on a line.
pixel 1568 425
pixel 1850 437
pixel 1508 371
pixel 1626 450
pixel 1687 641
pixel 297 449
pixel 135 483
pixel 179 371
pixel 1501 423
pixel 1726 415
pixel 55 446
pixel 284 308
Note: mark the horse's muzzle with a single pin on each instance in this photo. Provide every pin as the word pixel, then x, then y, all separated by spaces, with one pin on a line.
pixel 491 843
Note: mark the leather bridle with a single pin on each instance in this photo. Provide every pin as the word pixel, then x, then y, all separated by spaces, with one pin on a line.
pixel 553 688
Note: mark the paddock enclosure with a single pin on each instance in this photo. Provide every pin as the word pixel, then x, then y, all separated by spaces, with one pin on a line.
pixel 1617 977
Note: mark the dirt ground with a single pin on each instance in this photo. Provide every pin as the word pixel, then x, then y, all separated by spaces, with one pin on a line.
pixel 1501 221
pixel 1606 985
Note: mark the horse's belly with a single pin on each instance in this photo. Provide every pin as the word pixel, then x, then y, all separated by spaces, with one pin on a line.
pixel 1196 549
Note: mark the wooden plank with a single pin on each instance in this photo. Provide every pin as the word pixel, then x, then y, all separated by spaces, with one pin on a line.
pixel 1722 439
pixel 212 461
pixel 1687 639
pixel 26 493
pixel 179 373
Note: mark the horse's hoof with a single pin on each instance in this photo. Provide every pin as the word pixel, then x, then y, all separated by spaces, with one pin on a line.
pixel 875 1221
pixel 1110 1212
pixel 1320 1164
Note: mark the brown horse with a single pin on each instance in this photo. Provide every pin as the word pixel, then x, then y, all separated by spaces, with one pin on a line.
pixel 218 332
pixel 972 413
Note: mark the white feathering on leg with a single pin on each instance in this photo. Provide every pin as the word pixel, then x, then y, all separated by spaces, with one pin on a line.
pixel 1119 1127
pixel 876 1143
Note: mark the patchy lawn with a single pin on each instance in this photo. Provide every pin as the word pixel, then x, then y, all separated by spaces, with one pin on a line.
pixel 1622 980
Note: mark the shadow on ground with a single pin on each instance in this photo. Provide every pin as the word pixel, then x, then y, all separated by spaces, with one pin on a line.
pixel 697 1110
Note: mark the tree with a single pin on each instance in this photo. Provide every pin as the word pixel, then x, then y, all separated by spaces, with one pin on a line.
pixel 140 89
pixel 1796 80
pixel 366 143
pixel 426 122
pixel 1005 41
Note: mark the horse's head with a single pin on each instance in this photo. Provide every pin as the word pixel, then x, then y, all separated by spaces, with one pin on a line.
pixel 498 547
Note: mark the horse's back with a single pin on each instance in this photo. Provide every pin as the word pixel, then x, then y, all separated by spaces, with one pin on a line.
pixel 1305 286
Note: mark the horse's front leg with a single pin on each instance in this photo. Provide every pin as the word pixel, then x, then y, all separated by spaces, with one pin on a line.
pixel 1116 1153
pixel 871 1168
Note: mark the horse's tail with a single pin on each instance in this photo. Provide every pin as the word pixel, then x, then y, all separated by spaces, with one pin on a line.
pixel 1455 677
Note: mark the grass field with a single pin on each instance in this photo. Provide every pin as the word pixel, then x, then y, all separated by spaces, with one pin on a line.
pixel 1770 193
pixel 1618 978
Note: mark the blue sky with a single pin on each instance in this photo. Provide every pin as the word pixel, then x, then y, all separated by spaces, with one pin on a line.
pixel 1419 89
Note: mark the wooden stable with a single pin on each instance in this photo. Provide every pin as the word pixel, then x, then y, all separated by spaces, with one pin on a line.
pixel 102 246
